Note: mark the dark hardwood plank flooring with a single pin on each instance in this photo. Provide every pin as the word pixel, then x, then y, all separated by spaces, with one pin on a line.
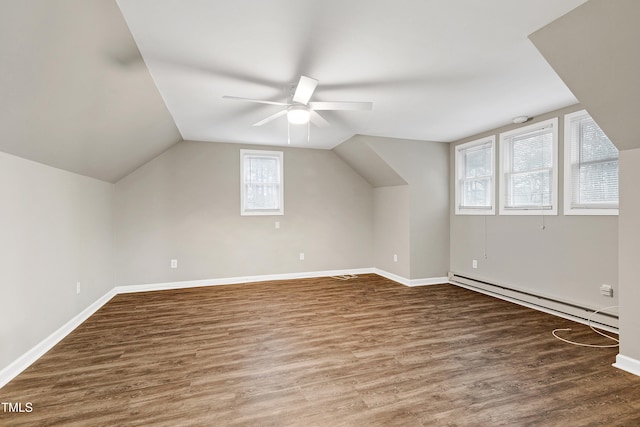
pixel 323 352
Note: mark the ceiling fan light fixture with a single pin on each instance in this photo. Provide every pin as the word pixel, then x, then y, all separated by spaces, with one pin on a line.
pixel 298 114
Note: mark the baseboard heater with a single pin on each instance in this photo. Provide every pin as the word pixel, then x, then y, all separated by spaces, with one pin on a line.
pixel 565 309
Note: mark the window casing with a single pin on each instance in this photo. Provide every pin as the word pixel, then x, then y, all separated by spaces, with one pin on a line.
pixel 529 170
pixel 474 171
pixel 590 168
pixel 261 182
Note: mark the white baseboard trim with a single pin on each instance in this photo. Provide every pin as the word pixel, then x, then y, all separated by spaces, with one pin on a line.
pixel 24 361
pixel 391 276
pixel 411 282
pixel 237 280
pixel 428 282
pixel 28 358
pixel 628 364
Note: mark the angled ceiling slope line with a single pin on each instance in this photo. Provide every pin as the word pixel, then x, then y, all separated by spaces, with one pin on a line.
pixel 358 154
pixel 594 49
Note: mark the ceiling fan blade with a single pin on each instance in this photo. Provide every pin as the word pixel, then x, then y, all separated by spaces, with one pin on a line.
pixel 363 106
pixel 270 118
pixel 304 90
pixel 317 119
pixel 258 101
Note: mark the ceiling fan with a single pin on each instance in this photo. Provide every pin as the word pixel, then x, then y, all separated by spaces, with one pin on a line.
pixel 300 110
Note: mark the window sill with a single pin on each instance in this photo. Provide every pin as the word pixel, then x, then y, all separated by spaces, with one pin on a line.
pixel 591 212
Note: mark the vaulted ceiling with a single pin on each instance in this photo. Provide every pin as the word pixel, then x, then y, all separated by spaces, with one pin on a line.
pixel 99 88
pixel 69 97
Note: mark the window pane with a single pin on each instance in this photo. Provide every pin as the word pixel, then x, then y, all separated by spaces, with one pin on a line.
pixel 475 183
pixel 594 143
pixel 530 189
pixel 529 179
pixel 478 162
pixel 477 192
pixel 599 183
pixel 262 196
pixel 261 169
pixel 261 182
pixel 532 151
pixel 593 165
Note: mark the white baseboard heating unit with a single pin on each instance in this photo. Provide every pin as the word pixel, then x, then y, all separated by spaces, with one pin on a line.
pixel 566 309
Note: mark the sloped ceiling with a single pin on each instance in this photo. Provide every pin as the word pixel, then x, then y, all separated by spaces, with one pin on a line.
pixel 435 70
pixel 363 159
pixel 594 49
pixel 74 92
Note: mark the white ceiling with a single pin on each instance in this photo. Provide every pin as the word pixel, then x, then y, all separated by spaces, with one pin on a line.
pixel 435 70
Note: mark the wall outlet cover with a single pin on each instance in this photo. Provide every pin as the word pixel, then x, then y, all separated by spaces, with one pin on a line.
pixel 606 290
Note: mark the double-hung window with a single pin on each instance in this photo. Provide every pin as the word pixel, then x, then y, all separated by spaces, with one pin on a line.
pixel 475 177
pixel 590 168
pixel 529 174
pixel 261 182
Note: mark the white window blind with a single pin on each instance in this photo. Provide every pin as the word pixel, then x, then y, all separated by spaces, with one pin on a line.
pixel 529 162
pixel 475 177
pixel 261 182
pixel 591 167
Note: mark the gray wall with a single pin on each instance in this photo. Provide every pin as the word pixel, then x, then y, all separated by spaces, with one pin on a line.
pixel 424 165
pixel 391 229
pixel 604 34
pixel 55 231
pixel 185 205
pixel 568 260
pixel 629 250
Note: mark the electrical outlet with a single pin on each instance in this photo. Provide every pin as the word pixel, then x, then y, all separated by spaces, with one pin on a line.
pixel 277 224
pixel 301 256
pixel 77 288
pixel 174 263
pixel 395 257
pixel 474 263
pixel 606 290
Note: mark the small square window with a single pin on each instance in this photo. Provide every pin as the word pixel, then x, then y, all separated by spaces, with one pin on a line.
pixel 261 182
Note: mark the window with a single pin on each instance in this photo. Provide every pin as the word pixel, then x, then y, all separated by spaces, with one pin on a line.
pixel 474 174
pixel 261 182
pixel 590 168
pixel 529 178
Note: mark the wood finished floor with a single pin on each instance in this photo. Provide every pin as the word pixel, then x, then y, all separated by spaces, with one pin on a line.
pixel 323 352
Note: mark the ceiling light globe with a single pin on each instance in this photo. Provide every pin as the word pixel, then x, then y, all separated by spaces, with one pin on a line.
pixel 298 115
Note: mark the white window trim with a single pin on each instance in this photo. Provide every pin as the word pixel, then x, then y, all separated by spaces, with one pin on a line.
pixel 568 179
pixel 553 123
pixel 247 212
pixel 458 192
